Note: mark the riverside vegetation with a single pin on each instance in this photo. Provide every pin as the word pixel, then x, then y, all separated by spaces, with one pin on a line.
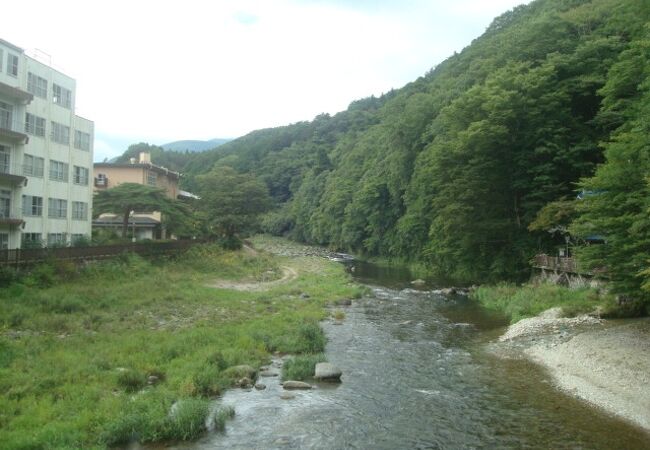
pixel 454 169
pixel 133 350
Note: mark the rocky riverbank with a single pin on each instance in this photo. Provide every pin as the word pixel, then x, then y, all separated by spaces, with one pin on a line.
pixel 606 363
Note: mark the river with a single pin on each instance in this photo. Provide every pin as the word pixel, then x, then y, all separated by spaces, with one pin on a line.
pixel 417 375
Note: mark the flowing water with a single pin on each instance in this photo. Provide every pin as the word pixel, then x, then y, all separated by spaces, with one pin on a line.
pixel 417 376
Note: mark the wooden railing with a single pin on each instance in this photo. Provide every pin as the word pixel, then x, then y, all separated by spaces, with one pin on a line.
pixel 36 255
pixel 556 263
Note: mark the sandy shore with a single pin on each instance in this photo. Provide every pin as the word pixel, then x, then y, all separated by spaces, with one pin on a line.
pixel 606 363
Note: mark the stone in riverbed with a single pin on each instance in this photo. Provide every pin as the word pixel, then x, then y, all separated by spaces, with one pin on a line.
pixel 244 383
pixel 291 384
pixel 327 372
pixel 287 396
pixel 418 282
pixel 260 386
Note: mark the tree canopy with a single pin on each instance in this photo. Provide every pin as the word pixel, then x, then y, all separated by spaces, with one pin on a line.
pixel 132 197
pixel 466 168
pixel 231 202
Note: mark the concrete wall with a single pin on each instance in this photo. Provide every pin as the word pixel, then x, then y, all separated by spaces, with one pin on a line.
pixel 46 148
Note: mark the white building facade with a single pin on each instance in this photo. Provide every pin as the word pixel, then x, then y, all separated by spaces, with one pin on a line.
pixel 46 154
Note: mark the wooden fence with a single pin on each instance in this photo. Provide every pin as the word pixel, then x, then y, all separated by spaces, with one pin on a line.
pixel 153 249
pixel 563 264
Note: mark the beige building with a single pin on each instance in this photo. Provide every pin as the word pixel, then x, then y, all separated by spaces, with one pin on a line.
pixel 140 171
pixel 46 154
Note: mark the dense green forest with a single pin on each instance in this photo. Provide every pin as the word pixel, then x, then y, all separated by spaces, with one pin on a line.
pixel 452 169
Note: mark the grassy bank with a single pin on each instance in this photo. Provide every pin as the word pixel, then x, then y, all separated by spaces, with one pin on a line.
pixel 529 300
pixel 97 356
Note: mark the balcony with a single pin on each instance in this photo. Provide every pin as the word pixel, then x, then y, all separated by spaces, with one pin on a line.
pixel 15 94
pixel 8 216
pixel 11 175
pixel 10 130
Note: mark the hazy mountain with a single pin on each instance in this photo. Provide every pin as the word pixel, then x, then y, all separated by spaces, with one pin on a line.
pixel 194 146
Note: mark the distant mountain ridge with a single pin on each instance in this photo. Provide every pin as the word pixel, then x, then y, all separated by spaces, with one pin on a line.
pixel 194 145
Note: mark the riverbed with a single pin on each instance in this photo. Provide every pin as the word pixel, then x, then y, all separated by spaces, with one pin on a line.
pixel 417 376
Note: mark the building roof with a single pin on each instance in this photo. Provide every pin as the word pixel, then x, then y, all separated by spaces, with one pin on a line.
pixel 185 194
pixel 150 166
pixel 11 46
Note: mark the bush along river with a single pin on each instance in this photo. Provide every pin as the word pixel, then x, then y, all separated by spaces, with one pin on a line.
pixel 417 375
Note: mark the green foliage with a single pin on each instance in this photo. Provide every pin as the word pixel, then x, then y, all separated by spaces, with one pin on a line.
pixel 221 415
pixel 618 201
pixel 520 302
pixel 231 202
pixel 301 367
pixel 78 376
pixel 131 380
pixel 188 417
pixel 128 197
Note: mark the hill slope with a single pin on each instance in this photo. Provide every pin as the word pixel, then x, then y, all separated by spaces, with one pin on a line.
pixel 194 145
pixel 452 169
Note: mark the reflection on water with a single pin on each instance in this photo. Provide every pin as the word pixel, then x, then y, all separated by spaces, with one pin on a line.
pixel 416 376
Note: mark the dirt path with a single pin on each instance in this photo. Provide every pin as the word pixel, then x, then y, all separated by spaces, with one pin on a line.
pixel 288 274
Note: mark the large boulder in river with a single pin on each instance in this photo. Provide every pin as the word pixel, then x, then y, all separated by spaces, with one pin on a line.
pixel 418 282
pixel 327 372
pixel 291 384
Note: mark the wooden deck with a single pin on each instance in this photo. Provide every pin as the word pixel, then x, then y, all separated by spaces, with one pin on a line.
pixel 558 264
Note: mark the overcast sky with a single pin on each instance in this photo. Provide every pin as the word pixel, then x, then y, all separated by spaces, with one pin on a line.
pixel 160 71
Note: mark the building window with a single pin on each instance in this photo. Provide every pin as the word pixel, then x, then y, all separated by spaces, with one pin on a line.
pixel 56 239
pixel 79 211
pixel 57 208
pixel 4 241
pixel 33 166
pixel 5 203
pixel 80 176
pixel 5 159
pixel 101 180
pixel 62 96
pixel 12 65
pixel 36 85
pixel 151 178
pixel 32 240
pixel 1 59
pixel 32 206
pixel 60 133
pixel 81 140
pixel 6 116
pixel 34 125
pixel 58 171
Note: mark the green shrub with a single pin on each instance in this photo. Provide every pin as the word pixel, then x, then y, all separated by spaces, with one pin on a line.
pixel 207 381
pixel 43 275
pixel 221 415
pixel 8 275
pixel 131 380
pixel 312 338
pixel 519 302
pixel 301 367
pixel 187 419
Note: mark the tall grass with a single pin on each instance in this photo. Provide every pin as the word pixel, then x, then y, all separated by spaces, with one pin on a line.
pixel 519 302
pixel 77 357
pixel 301 367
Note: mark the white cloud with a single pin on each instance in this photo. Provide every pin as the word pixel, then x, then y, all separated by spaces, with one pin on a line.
pixel 169 70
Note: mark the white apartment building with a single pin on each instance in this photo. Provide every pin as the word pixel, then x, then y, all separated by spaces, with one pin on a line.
pixel 46 155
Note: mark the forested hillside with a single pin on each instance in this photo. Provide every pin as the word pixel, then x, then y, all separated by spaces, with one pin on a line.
pixel 452 169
